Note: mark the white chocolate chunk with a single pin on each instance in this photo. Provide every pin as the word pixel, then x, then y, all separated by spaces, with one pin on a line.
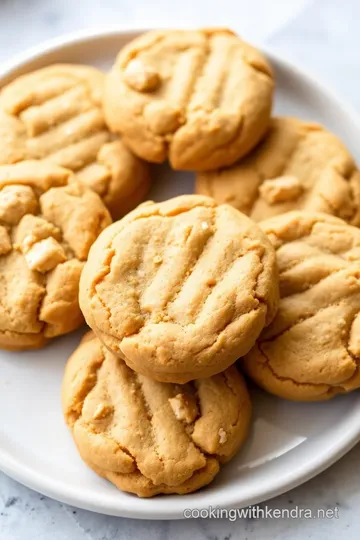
pixel 140 77
pixel 184 408
pixel 222 436
pixel 102 411
pixel 281 189
pixel 45 255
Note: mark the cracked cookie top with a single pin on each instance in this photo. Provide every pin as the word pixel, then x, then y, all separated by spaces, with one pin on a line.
pixel 200 98
pixel 149 437
pixel 46 230
pixel 311 350
pixel 180 289
pixel 55 113
pixel 298 166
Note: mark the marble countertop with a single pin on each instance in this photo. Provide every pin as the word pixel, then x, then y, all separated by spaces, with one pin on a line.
pixel 323 37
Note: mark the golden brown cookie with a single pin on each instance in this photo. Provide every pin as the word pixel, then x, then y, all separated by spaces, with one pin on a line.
pixel 311 350
pixel 46 230
pixel 298 165
pixel 56 114
pixel 148 437
pixel 180 289
pixel 201 98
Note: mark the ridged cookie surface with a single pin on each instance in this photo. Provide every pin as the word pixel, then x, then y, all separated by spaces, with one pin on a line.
pixel 149 437
pixel 46 230
pixel 311 350
pixel 200 98
pixel 56 114
pixel 298 165
pixel 180 289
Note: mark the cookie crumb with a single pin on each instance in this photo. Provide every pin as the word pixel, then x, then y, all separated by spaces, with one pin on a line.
pixel 222 436
pixel 184 407
pixel 281 189
pixel 204 225
pixel 140 77
pixel 158 259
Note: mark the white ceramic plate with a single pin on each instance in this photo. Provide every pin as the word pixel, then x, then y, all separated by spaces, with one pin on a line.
pixel 289 442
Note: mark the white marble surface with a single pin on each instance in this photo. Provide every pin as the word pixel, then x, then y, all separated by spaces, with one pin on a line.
pixel 320 35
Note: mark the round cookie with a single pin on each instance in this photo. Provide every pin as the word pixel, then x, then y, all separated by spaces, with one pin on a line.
pixel 200 98
pixel 56 114
pixel 46 230
pixel 311 350
pixel 148 437
pixel 298 165
pixel 180 289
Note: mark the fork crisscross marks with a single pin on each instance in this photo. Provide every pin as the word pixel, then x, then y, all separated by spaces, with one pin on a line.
pixel 129 426
pixel 55 114
pixel 187 95
pixel 222 102
pixel 60 112
pixel 312 341
pixel 298 165
pixel 176 287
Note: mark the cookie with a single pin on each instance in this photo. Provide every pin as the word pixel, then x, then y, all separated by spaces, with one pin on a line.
pixel 148 437
pixel 46 230
pixel 56 114
pixel 311 350
pixel 298 165
pixel 180 289
pixel 200 98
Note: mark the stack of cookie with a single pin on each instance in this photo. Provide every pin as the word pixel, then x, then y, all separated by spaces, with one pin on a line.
pixel 176 292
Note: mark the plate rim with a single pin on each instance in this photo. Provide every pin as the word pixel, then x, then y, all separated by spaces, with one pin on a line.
pixel 42 483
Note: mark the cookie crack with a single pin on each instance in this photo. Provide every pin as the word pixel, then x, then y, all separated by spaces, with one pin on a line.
pixel 89 383
pixel 192 425
pixel 330 390
pixel 106 435
pixel 344 341
pixel 227 381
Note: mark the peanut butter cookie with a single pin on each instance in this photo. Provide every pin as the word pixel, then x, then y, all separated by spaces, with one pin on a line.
pixel 200 98
pixel 46 230
pixel 180 289
pixel 56 114
pixel 148 437
pixel 311 351
pixel 298 165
